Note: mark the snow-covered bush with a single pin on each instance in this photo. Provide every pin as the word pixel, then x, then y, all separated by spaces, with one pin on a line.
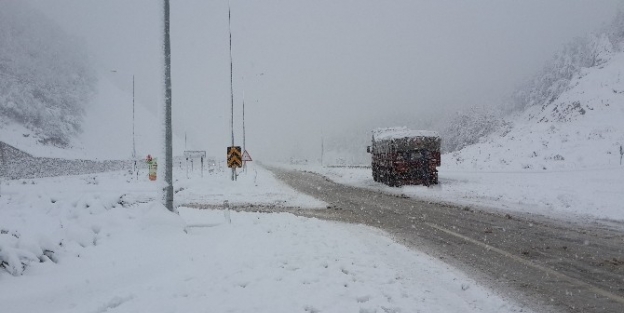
pixel 467 127
pixel 45 75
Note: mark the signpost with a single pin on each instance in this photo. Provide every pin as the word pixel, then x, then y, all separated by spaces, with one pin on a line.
pixel 234 158
pixel 152 165
pixel 246 157
pixel 195 155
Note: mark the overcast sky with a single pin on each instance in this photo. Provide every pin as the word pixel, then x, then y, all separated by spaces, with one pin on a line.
pixel 326 67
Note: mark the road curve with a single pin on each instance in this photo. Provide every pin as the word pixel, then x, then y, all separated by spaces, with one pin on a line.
pixel 546 264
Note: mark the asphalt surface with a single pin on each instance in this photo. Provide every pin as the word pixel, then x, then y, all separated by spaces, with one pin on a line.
pixel 548 265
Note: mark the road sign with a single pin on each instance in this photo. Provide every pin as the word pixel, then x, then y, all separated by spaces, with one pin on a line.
pixel 152 165
pixel 246 156
pixel 194 154
pixel 234 157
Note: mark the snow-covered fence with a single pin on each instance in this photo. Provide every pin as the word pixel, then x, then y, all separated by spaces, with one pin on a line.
pixel 16 164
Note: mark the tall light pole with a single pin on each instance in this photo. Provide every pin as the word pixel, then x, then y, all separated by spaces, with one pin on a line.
pixel 3 165
pixel 231 85
pixel 244 146
pixel 168 191
pixel 244 149
pixel 133 138
pixel 134 160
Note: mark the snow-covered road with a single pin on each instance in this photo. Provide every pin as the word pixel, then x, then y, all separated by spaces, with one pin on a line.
pixel 564 194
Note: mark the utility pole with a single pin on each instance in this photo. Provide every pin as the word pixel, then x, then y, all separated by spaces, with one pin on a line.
pixel 322 148
pixel 168 191
pixel 244 121
pixel 134 159
pixel 244 149
pixel 133 139
pixel 3 163
pixel 231 85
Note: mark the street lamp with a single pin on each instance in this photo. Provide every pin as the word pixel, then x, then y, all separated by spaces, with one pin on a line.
pixel 231 86
pixel 134 159
pixel 244 147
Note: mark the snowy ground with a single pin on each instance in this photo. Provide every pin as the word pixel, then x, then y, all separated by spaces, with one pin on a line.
pixel 569 194
pixel 115 249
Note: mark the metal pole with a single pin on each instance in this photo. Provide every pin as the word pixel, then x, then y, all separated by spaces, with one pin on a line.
pixel 244 122
pixel 322 149
pixel 168 191
pixel 244 149
pixel 133 138
pixel 134 161
pixel 3 163
pixel 231 85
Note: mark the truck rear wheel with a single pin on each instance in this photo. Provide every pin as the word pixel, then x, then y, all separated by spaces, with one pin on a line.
pixel 375 175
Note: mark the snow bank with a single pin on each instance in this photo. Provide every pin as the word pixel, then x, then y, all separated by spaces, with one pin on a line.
pixel 48 219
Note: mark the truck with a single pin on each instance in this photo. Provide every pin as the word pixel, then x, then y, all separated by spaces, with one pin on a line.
pixel 401 156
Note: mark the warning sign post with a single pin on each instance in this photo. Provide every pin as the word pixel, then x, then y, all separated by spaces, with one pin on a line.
pixel 234 157
pixel 246 157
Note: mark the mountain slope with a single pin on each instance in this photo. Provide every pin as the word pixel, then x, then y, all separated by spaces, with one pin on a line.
pixel 107 130
pixel 45 75
pixel 580 128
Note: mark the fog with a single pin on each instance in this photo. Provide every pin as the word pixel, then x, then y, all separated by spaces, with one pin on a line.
pixel 323 71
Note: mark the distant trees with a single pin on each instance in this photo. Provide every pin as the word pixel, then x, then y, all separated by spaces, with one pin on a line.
pixel 45 75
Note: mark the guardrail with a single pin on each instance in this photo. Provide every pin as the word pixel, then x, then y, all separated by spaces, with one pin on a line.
pixel 348 166
pixel 17 164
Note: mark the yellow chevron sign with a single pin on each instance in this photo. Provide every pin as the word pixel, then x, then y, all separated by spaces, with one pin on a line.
pixel 234 158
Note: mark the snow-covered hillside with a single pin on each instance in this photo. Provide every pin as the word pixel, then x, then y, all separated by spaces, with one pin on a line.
pixel 46 75
pixel 107 130
pixel 581 129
